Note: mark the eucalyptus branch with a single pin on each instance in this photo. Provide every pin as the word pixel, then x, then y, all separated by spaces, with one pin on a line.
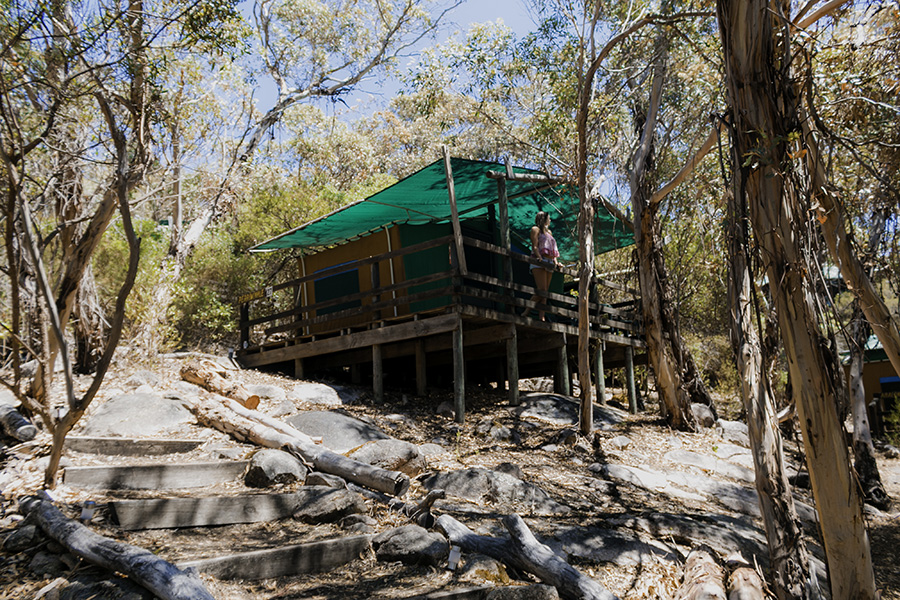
pixel 821 126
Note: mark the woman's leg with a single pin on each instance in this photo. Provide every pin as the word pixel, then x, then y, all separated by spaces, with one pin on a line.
pixel 542 280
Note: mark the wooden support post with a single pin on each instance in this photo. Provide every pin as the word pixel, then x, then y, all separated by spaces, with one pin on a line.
pixel 563 381
pixel 459 374
pixel 421 381
pixel 245 328
pixel 600 375
pixel 629 378
pixel 512 367
pixel 355 374
pixel 298 369
pixel 377 374
pixel 454 213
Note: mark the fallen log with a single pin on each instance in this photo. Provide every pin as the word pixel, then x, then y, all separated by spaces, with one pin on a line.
pixel 526 554
pixel 161 577
pixel 249 425
pixel 207 378
pixel 745 584
pixel 549 567
pixel 15 425
pixel 419 513
pixel 704 578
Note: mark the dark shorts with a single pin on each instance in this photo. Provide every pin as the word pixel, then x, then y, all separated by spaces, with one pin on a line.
pixel 547 265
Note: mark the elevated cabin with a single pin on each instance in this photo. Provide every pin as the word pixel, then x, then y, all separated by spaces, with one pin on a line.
pixel 384 293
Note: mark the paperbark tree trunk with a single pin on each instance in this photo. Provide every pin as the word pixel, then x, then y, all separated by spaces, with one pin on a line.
pixel 756 45
pixel 787 549
pixel 863 449
pixel 678 381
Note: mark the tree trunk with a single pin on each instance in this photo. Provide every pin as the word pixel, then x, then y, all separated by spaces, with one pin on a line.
pixel 863 449
pixel 745 584
pixel 787 550
pixel 525 553
pixel 704 578
pixel 162 578
pixel 763 106
pixel 89 328
pixel 677 379
pixel 245 424
pixel 207 378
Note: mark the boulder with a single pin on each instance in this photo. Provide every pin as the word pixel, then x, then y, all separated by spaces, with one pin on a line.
pixel 266 391
pixel 45 563
pixel 494 488
pixel 703 415
pixel 411 544
pixel 325 479
pixel 710 464
pixel 271 467
pixel 537 591
pixel 445 409
pixel 324 395
pixel 23 538
pixel 144 377
pixel 601 545
pixel 339 432
pixel 478 568
pixel 562 411
pixel 136 415
pixel 391 454
pixel 734 432
pixel 328 505
pixel 510 469
pixel 620 442
pixel 90 586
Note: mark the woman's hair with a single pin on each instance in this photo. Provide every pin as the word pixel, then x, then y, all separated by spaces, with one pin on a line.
pixel 542 219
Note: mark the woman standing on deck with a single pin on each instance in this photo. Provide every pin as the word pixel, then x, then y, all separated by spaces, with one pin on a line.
pixel 543 246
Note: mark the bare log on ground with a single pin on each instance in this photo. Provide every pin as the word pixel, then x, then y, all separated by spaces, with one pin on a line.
pixel 161 577
pixel 249 425
pixel 704 578
pixel 208 378
pixel 745 584
pixel 15 425
pixel 419 513
pixel 525 553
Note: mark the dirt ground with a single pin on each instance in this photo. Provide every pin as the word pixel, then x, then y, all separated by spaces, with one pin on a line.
pixel 559 469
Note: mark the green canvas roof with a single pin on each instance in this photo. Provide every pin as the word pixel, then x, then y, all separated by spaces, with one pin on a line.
pixel 423 198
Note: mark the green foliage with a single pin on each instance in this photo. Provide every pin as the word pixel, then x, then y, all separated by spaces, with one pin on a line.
pixel 204 305
pixel 715 360
pixel 892 418
pixel 110 263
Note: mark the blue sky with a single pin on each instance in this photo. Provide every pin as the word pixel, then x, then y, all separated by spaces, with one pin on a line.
pixel 372 94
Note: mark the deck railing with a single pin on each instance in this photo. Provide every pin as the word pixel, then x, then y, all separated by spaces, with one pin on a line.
pixel 281 315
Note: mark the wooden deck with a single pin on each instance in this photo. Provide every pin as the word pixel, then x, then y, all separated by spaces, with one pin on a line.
pixel 443 329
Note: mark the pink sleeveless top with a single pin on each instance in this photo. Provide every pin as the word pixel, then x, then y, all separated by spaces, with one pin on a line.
pixel 547 246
